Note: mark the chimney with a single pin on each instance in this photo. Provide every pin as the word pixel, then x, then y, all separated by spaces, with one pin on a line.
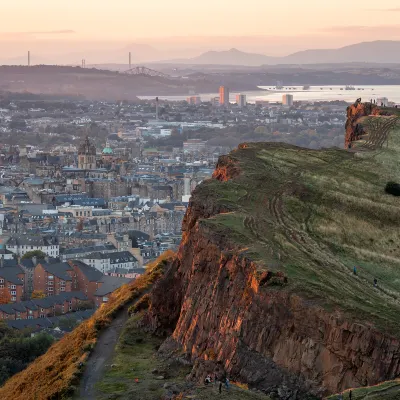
pixel 46 259
pixel 2 261
pixel 34 260
pixel 19 259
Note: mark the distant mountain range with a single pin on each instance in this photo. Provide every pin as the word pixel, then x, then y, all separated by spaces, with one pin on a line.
pixel 382 51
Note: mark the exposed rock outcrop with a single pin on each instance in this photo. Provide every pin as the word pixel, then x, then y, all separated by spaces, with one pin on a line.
pixel 213 300
pixel 355 112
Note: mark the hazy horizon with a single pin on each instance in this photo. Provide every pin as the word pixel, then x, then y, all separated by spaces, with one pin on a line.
pixel 103 32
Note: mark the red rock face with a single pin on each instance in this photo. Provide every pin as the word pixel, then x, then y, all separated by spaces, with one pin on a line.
pixel 213 301
pixel 354 113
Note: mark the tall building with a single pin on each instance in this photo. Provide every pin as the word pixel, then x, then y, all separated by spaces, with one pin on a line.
pixel 224 96
pixel 287 100
pixel 87 155
pixel 241 100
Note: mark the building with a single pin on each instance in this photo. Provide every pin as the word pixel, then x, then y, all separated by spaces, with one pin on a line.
pixel 110 261
pixel 287 100
pixel 12 281
pixel 87 278
pixel 81 252
pixel 223 96
pixel 194 100
pixel 76 210
pixel 21 244
pixel 241 100
pixel 382 101
pixel 42 308
pixel 214 101
pixel 87 155
pixel 194 146
pixel 107 285
pixel 262 103
pixel 53 279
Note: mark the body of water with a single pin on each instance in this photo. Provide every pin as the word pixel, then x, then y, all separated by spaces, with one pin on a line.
pixel 314 93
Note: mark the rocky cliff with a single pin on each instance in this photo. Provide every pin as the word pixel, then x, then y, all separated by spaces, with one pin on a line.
pixel 263 279
pixel 355 113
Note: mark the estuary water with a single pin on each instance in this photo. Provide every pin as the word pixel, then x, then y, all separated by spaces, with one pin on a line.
pixel 314 93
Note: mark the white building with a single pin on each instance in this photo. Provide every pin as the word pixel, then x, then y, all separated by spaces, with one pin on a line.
pixel 287 100
pixel 109 261
pixel 382 101
pixel 21 244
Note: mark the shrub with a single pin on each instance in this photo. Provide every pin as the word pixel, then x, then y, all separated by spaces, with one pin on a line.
pixel 393 188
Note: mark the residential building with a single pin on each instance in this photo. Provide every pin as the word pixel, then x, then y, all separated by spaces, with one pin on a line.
pixel 24 243
pixel 106 262
pixel 287 100
pixel 12 281
pixel 81 252
pixel 241 100
pixel 224 96
pixel 43 308
pixel 106 286
pixel 87 278
pixel 215 101
pixel 53 279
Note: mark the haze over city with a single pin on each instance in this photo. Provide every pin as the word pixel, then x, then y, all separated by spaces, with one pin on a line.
pixel 199 200
pixel 60 32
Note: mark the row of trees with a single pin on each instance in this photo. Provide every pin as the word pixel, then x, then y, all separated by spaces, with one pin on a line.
pixel 18 349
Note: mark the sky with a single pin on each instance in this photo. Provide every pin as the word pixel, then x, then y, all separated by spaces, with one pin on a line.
pixel 50 27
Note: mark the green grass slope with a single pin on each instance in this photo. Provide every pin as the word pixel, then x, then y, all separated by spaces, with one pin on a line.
pixel 385 391
pixel 314 215
pixel 139 373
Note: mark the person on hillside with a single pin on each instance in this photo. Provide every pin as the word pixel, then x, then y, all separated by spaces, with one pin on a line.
pixel 355 270
pixel 350 394
pixel 227 383
pixel 207 380
pixel 220 386
pixel 375 282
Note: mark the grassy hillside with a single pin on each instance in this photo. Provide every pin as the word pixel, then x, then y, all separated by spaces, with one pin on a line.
pixel 386 391
pixel 313 215
pixel 138 370
pixel 55 374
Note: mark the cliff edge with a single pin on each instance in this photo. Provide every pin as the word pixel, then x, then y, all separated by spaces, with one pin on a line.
pixel 264 281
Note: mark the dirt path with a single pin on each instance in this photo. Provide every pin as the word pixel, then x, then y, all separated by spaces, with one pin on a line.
pixel 101 356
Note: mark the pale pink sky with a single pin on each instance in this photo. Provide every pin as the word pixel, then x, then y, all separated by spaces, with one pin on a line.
pixel 270 27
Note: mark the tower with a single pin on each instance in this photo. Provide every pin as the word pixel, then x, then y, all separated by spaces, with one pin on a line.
pixel 130 60
pixel 87 155
pixel 156 108
pixel 224 96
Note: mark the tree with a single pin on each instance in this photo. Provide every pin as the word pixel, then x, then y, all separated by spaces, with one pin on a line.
pixel 34 253
pixel 38 294
pixel 5 296
pixel 67 324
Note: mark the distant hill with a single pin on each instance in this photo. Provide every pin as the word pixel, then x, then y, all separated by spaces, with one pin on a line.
pixel 232 57
pixel 386 51
pixel 381 51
